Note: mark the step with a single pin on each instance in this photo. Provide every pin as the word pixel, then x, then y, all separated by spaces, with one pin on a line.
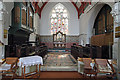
pixel 59 68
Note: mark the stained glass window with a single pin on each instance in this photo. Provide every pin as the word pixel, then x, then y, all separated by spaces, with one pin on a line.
pixel 59 19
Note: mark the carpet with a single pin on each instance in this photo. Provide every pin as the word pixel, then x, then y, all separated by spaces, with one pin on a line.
pixel 61 75
pixel 56 61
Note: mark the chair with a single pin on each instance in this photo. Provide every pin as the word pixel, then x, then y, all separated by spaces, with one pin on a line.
pixel 9 66
pixel 87 62
pixel 103 66
pixel 89 67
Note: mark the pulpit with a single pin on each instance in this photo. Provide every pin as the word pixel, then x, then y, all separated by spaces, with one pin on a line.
pixel 59 40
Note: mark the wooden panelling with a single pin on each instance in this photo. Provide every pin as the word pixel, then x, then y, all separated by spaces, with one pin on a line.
pixel 23 17
pixel 28 20
pixel 97 40
pixel 80 51
pixel 17 14
pixel 108 39
pixel 23 51
pixel 104 21
pixel 31 22
pixel 103 39
pixel 93 40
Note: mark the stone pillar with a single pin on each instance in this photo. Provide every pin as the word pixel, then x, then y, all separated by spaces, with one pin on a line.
pixel 2 10
pixel 116 45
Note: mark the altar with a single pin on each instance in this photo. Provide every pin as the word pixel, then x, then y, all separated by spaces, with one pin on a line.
pixel 59 40
pixel 59 44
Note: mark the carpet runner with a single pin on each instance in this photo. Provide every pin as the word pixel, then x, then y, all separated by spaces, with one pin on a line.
pixel 56 61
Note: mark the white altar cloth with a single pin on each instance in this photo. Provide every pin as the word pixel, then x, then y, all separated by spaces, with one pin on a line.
pixel 30 60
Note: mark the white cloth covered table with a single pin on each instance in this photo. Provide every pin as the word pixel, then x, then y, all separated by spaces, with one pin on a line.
pixel 30 60
pixel 27 62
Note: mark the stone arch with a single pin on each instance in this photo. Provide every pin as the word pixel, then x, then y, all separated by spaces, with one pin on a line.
pixel 92 19
pixel 45 19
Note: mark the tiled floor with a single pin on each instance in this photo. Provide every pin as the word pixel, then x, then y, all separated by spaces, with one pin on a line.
pixel 56 61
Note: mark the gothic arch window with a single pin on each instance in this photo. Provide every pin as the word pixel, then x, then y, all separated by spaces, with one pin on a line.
pixel 59 19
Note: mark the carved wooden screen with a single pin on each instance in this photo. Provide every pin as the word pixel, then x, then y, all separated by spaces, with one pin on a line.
pixel 104 21
pixel 103 28
pixel 59 40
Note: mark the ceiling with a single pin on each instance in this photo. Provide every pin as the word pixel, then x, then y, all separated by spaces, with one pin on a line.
pixel 78 4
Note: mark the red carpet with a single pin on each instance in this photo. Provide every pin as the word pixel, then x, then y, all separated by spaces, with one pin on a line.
pixel 55 74
pixel 68 75
pixel 60 75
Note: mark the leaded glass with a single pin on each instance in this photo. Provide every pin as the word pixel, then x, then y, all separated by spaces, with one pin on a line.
pixel 59 19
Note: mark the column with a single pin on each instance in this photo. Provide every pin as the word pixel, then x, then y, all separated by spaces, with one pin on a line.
pixel 1 33
pixel 2 9
pixel 116 45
